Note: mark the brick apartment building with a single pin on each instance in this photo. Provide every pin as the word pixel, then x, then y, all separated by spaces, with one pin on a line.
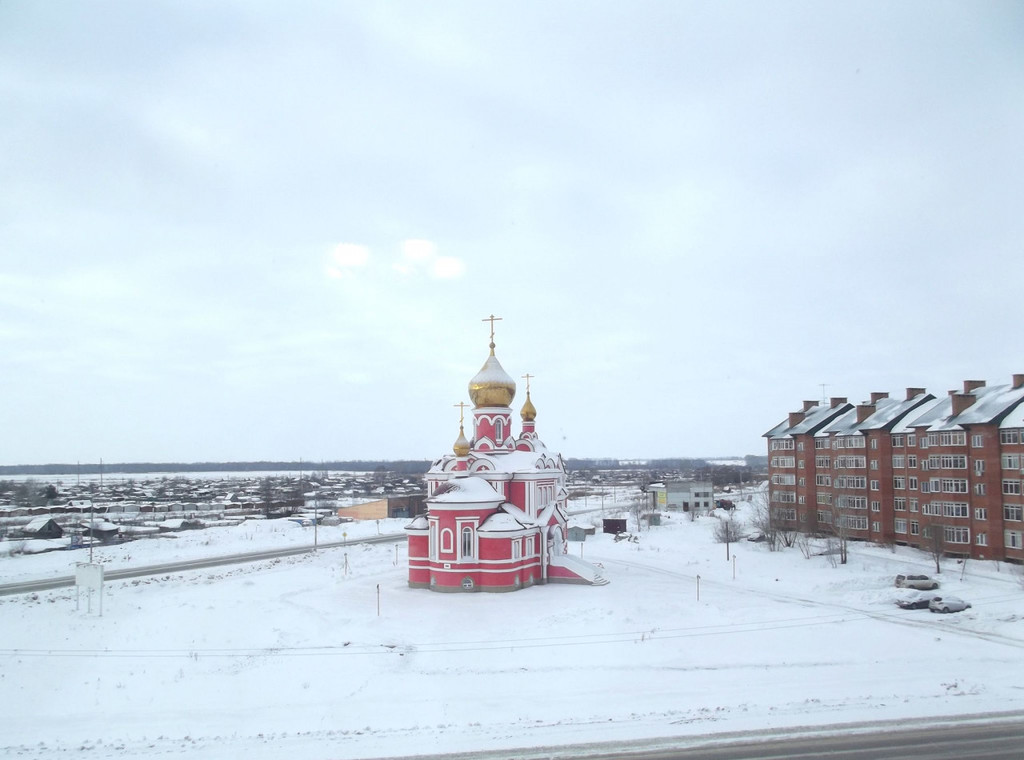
pixel 923 471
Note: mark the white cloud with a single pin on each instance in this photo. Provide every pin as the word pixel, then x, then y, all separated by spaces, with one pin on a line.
pixel 346 257
pixel 420 256
pixel 418 250
pixel 447 268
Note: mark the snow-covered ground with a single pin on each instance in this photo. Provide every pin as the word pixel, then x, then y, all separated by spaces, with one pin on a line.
pixel 305 657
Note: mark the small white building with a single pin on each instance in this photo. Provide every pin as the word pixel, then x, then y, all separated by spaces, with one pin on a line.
pixel 683 495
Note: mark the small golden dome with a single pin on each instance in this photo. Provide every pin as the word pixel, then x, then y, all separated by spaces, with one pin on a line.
pixel 492 386
pixel 461 447
pixel 528 412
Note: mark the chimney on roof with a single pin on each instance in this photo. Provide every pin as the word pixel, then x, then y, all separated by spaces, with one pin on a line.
pixel 795 418
pixel 1018 381
pixel 973 385
pixel 864 411
pixel 809 404
pixel 837 401
pixel 961 401
pixel 912 392
pixel 878 396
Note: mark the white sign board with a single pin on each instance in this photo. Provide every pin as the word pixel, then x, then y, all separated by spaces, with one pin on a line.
pixel 89 576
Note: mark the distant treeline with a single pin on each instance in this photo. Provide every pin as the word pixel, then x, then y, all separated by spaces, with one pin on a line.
pixel 411 467
pixel 399 467
pixel 682 464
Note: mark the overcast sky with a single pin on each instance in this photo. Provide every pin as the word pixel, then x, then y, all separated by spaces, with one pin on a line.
pixel 242 230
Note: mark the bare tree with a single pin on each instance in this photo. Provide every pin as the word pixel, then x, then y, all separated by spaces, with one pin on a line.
pixel 838 546
pixel 935 541
pixel 640 510
pixel 267 488
pixel 726 532
pixel 763 520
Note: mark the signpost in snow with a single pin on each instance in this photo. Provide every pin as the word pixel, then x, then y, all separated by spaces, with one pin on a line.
pixel 90 577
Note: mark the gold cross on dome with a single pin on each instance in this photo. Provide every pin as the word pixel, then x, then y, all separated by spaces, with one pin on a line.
pixel 462 407
pixel 527 377
pixel 492 319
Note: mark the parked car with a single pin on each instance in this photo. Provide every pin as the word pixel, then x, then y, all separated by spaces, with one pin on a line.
pixel 922 582
pixel 915 600
pixel 948 604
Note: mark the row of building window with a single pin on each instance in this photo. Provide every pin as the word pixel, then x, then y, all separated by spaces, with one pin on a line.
pixel 901 440
pixel 901 462
pixel 1012 512
pixel 952 534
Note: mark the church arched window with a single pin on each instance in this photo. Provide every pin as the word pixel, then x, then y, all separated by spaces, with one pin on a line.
pixel 446 541
pixel 499 432
pixel 467 542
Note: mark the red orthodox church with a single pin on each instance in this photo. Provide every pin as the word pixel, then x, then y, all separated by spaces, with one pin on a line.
pixel 496 506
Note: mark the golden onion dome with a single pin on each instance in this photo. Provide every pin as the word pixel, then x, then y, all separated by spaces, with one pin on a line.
pixel 461 447
pixel 492 386
pixel 528 412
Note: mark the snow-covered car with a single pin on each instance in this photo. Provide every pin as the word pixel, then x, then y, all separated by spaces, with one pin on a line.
pixel 913 599
pixel 948 604
pixel 922 582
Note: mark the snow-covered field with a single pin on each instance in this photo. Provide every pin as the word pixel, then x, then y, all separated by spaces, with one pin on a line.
pixel 305 657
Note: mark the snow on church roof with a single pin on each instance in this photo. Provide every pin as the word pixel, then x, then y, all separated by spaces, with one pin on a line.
pixel 418 523
pixel 465 489
pixel 507 461
pixel 514 461
pixel 499 522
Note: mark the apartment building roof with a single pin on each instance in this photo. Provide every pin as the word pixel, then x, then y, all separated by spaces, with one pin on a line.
pixel 890 410
pixel 991 406
pixel 985 404
pixel 1014 419
pixel 813 417
pixel 926 411
pixel 844 424
pixel 886 413
pixel 978 404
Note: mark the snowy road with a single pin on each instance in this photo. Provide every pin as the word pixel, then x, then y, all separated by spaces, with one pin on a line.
pixel 992 737
pixel 44 584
